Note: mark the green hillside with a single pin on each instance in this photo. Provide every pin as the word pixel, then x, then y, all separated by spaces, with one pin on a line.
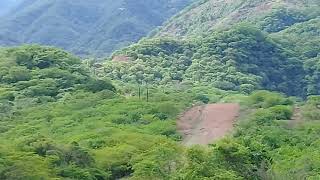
pixel 275 50
pixel 208 15
pixel 242 58
pixel 58 121
pixel 303 41
pixel 85 27
pixel 63 118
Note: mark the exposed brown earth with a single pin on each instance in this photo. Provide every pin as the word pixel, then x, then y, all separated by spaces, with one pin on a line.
pixel 205 124
pixel 121 58
pixel 296 118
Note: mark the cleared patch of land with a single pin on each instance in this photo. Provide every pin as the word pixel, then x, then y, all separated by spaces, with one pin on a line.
pixel 204 124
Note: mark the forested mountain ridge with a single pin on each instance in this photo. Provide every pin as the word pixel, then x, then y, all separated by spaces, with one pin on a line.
pixel 85 27
pixel 303 39
pixel 242 58
pixel 276 50
pixel 209 15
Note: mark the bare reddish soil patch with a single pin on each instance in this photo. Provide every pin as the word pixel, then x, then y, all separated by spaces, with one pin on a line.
pixel 121 58
pixel 205 124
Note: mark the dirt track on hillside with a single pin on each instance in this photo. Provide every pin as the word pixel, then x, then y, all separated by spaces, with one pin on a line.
pixel 204 124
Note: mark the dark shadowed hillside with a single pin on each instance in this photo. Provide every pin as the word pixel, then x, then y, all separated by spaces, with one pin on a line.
pixel 85 27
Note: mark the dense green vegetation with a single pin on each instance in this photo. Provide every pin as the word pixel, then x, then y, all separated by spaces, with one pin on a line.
pixel 207 15
pixel 276 50
pixel 34 74
pixel 303 40
pixel 242 58
pixel 93 28
pixel 87 133
pixel 62 118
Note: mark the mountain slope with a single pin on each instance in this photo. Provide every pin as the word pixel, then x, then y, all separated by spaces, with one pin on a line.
pixel 85 27
pixel 242 58
pixel 230 46
pixel 303 40
pixel 211 15
pixel 101 134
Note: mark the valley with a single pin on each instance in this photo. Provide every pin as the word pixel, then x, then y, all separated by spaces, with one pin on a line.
pixel 160 90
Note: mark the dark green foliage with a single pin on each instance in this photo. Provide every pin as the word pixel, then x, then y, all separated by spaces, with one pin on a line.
pixel 208 15
pixel 16 74
pixel 242 58
pixel 283 18
pixel 96 85
pixel 303 40
pixel 203 98
pixel 246 88
pixel 161 116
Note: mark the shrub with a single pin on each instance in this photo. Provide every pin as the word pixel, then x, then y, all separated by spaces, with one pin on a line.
pixel 161 116
pixel 263 117
pixel 167 108
pixel 17 74
pixel 203 98
pixel 266 99
pixel 311 110
pixel 97 85
pixel 246 88
pixel 281 112
pixel 225 85
pixel 314 100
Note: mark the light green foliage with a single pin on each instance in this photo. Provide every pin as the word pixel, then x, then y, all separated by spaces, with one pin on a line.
pixel 90 120
pixel 87 131
pixel 311 110
pixel 203 164
pixel 281 112
pixel 163 160
pixel 266 99
pixel 93 131
pixel 37 74
pixel 277 151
